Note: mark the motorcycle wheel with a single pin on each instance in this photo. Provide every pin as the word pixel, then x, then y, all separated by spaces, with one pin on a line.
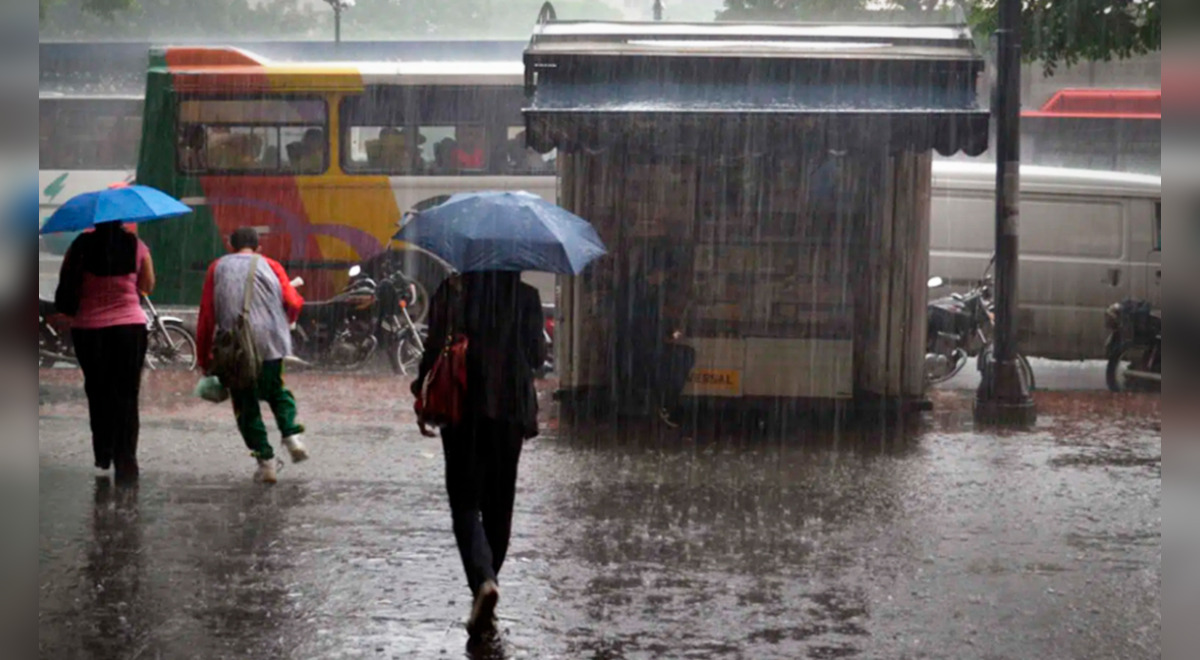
pixel 405 356
pixel 48 342
pixel 1127 356
pixel 174 348
pixel 419 310
pixel 960 360
pixel 361 359
pixel 1023 367
pixel 1027 371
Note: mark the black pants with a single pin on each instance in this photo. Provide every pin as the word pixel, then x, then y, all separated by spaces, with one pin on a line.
pixel 481 480
pixel 662 375
pixel 111 359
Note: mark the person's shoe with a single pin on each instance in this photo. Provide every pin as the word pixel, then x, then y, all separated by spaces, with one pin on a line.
pixel 266 471
pixel 296 448
pixel 125 470
pixel 665 416
pixel 483 612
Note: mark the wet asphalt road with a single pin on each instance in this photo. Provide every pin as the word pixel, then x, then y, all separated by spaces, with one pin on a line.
pixel 931 542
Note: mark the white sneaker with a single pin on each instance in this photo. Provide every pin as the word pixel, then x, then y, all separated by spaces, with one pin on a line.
pixel 266 471
pixel 296 448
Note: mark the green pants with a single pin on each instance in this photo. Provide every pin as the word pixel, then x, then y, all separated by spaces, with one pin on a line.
pixel 249 418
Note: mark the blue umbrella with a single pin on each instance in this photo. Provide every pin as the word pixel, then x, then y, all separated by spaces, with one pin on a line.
pixel 124 204
pixel 504 230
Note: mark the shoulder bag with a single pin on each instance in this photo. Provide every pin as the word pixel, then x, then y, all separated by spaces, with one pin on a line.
pixel 235 355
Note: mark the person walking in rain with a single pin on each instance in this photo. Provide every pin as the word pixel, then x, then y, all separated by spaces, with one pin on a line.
pixel 102 274
pixel 502 319
pixel 274 305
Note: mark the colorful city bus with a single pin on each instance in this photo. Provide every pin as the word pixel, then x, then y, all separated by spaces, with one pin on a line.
pixel 324 159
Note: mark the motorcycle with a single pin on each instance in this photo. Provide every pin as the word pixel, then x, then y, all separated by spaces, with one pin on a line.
pixel 54 336
pixel 169 344
pixel 339 332
pixel 961 327
pixel 1134 347
pixel 345 331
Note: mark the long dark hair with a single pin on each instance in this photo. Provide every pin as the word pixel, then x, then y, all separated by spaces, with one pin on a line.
pixel 109 250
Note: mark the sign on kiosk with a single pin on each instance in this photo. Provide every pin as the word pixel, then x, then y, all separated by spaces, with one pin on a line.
pixel 714 382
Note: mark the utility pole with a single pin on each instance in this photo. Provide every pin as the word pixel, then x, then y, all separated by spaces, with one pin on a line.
pixel 338 6
pixel 1003 395
pixel 658 8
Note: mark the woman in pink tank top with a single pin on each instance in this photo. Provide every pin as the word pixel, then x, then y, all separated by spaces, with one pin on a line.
pixel 103 274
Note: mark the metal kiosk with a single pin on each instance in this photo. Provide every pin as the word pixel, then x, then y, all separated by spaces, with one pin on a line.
pixel 789 163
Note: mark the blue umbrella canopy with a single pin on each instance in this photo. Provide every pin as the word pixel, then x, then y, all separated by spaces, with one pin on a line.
pixel 504 230
pixel 124 204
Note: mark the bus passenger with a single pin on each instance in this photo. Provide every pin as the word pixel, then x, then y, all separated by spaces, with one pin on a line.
pixel 443 155
pixel 191 156
pixel 234 151
pixel 468 153
pixel 392 152
pixel 312 151
pixel 520 159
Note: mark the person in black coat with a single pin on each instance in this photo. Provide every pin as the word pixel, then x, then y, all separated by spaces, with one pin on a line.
pixel 502 319
pixel 656 362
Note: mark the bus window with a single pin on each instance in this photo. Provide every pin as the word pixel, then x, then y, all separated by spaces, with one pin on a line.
pixel 520 159
pixel 262 136
pixel 375 136
pixel 437 145
pixel 241 148
pixel 377 149
pixel 99 133
pixel 454 149
pixel 304 149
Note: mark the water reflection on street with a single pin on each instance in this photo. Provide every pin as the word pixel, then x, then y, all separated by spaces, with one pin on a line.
pixel 934 542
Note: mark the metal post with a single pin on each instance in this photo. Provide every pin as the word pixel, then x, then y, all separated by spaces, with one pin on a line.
pixel 658 9
pixel 337 23
pixel 1003 395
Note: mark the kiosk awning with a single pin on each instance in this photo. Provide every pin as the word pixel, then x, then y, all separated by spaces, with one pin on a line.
pixel 597 87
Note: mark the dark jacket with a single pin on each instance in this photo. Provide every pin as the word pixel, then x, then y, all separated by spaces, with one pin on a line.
pixel 502 318
pixel 652 313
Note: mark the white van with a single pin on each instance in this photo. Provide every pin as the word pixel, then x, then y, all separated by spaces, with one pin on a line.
pixel 1088 239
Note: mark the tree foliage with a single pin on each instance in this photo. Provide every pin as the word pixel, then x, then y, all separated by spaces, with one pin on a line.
pixel 1053 32
pixel 820 10
pixel 1074 30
